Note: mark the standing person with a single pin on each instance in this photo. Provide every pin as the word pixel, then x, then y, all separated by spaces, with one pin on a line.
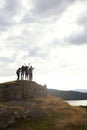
pixel 26 72
pixel 31 73
pixel 18 73
pixel 22 72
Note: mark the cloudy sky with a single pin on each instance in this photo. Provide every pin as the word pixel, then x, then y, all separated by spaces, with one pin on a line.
pixel 49 34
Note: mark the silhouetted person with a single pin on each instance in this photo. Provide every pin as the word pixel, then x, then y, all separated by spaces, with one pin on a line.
pixel 22 72
pixel 26 72
pixel 18 73
pixel 31 73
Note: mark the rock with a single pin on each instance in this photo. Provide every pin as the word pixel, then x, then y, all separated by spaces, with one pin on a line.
pixel 19 99
pixel 19 90
pixel 37 114
pixel 6 118
pixel 30 115
pixel 11 114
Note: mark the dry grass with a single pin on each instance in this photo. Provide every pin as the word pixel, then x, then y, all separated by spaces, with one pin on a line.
pixel 15 108
pixel 62 116
pixel 65 116
pixel 1 105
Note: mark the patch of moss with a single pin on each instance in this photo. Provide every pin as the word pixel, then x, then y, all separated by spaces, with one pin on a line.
pixel 33 125
pixel 80 128
pixel 43 125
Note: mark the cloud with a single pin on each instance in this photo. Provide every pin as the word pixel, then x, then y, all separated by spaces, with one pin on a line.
pixel 82 20
pixel 6 60
pixel 46 9
pixel 6 64
pixel 12 7
pixel 78 35
pixel 78 39
pixel 50 6
pixel 8 10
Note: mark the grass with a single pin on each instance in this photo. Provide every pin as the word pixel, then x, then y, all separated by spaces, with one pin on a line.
pixel 1 105
pixel 48 124
pixel 33 125
pixel 61 116
pixel 79 128
pixel 83 106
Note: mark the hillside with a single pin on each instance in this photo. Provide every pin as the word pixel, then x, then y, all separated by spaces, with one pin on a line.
pixel 37 110
pixel 81 90
pixel 68 95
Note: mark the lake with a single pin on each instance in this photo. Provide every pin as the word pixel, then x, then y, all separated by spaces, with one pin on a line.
pixel 77 102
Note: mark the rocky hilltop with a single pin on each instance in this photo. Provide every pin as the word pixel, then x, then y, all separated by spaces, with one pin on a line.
pixel 26 105
pixel 20 90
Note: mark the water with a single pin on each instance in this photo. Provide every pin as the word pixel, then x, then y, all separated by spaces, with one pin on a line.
pixel 77 102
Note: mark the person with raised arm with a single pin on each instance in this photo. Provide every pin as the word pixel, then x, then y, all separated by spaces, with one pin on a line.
pixel 31 73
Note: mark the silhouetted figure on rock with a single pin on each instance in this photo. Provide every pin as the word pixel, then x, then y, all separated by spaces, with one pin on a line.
pixel 26 73
pixel 31 73
pixel 22 72
pixel 18 73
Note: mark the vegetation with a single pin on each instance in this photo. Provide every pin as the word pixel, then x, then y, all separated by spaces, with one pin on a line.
pixel 61 116
pixel 83 106
pixel 42 125
pixel 40 111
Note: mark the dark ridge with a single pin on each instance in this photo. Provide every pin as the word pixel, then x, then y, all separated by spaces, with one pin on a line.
pixel 68 95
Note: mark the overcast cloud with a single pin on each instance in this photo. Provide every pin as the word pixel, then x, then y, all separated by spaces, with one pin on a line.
pixel 49 34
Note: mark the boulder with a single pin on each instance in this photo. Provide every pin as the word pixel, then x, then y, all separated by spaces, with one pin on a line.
pixel 18 90
pixel 6 118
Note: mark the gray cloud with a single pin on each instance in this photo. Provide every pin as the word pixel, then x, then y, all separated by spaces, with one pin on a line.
pixel 6 60
pixel 12 7
pixel 46 9
pixel 7 12
pixel 78 39
pixel 55 42
pixel 83 20
pixel 42 7
pixel 38 52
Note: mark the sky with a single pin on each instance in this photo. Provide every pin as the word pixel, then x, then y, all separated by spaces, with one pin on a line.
pixel 51 35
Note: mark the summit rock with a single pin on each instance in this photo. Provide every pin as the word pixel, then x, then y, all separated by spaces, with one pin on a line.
pixel 21 90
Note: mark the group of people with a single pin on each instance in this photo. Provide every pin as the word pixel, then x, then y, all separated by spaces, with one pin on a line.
pixel 25 72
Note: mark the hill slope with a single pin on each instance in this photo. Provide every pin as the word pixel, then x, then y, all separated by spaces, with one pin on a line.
pixel 41 111
pixel 68 95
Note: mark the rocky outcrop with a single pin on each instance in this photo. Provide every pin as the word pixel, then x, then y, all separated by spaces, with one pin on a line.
pixel 18 100
pixel 19 90
pixel 6 118
pixel 14 111
pixel 26 102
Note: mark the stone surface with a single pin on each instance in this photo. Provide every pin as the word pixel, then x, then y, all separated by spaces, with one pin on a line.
pixel 18 100
pixel 6 118
pixel 14 111
pixel 18 90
